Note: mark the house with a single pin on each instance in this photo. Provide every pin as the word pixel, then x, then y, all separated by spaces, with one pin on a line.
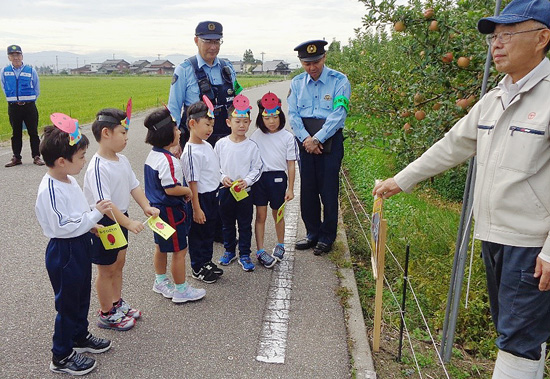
pixel 275 67
pixel 94 67
pixel 137 66
pixel 159 67
pixel 238 66
pixel 114 65
pixel 86 69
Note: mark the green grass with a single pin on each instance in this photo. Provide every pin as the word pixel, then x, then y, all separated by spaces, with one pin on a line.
pixel 82 96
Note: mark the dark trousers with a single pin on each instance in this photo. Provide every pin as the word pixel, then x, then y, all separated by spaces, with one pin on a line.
pixel 69 266
pixel 201 236
pixel 521 313
pixel 240 212
pixel 320 183
pixel 24 113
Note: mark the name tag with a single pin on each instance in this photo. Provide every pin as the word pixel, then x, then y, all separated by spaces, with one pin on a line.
pixel 278 180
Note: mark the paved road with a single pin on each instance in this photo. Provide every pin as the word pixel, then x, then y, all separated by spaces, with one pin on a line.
pixel 218 337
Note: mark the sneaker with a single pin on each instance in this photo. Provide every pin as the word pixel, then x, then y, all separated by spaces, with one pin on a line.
pixel 37 161
pixel 246 263
pixel 205 274
pixel 166 288
pixel 116 320
pixel 227 258
pixel 265 259
pixel 190 294
pixel 74 364
pixel 125 308
pixel 215 269
pixel 14 162
pixel 92 344
pixel 278 252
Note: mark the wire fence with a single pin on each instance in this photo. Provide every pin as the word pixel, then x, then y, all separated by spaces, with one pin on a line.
pixel 363 217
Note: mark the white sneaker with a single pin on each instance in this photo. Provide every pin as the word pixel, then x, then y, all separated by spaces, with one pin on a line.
pixel 166 288
pixel 190 294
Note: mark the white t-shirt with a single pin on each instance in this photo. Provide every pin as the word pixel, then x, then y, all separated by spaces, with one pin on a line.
pixel 239 160
pixel 276 148
pixel 200 164
pixel 62 209
pixel 111 180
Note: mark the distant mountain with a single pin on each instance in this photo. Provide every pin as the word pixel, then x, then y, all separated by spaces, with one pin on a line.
pixel 62 60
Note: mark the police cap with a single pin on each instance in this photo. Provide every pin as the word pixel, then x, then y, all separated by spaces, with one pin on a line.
pixel 311 51
pixel 14 49
pixel 209 30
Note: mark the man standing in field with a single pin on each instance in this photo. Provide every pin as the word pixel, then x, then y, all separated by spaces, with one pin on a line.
pixel 508 130
pixel 21 86
pixel 318 105
pixel 204 74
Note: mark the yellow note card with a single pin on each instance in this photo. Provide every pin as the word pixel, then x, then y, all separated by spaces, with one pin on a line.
pixel 160 227
pixel 237 192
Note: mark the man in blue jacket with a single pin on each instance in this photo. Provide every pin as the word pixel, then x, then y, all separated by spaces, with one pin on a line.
pixel 21 86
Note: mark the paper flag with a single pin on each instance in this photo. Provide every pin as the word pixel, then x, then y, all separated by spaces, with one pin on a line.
pixel 281 212
pixel 237 192
pixel 112 237
pixel 160 227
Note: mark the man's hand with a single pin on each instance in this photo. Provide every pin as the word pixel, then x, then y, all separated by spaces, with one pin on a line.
pixel 542 271
pixel 386 189
pixel 312 147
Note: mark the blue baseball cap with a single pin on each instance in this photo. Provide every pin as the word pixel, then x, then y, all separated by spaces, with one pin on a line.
pixel 517 11
pixel 14 49
pixel 209 30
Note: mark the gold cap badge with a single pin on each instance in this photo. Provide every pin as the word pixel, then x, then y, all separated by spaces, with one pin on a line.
pixel 211 27
pixel 311 49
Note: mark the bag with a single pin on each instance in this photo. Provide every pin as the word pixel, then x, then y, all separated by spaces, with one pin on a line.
pixel 313 125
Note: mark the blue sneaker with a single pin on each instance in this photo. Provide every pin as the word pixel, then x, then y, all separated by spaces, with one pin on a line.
pixel 246 263
pixel 227 258
pixel 265 259
pixel 278 252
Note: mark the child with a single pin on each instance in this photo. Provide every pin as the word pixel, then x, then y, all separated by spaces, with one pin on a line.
pixel 278 150
pixel 239 161
pixel 202 172
pixel 166 189
pixel 65 218
pixel 110 176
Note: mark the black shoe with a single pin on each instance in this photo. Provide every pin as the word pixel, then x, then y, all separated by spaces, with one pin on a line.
pixel 37 161
pixel 305 244
pixel 92 344
pixel 74 364
pixel 215 269
pixel 321 248
pixel 204 274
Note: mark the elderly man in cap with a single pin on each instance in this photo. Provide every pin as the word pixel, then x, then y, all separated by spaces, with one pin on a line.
pixel 204 74
pixel 318 103
pixel 21 86
pixel 508 130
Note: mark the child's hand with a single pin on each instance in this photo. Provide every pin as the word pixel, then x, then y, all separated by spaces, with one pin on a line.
pixel 176 150
pixel 151 212
pixel 94 230
pixel 188 194
pixel 227 182
pixel 103 206
pixel 289 195
pixel 135 226
pixel 241 183
pixel 198 216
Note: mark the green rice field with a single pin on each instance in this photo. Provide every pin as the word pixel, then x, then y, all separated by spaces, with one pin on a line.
pixel 82 96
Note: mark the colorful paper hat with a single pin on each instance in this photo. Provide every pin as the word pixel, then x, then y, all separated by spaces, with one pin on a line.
pixel 126 122
pixel 271 104
pixel 210 106
pixel 242 106
pixel 68 125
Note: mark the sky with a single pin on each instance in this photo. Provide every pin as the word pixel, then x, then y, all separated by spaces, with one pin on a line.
pixel 150 28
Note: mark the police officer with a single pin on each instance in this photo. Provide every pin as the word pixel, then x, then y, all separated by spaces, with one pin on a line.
pixel 21 86
pixel 204 74
pixel 318 103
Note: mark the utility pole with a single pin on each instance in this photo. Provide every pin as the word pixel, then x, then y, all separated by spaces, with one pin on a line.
pixel 262 53
pixel 158 57
pixel 76 62
pixel 56 65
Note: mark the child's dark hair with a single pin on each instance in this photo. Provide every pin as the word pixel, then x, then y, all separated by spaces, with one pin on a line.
pixel 232 109
pixel 108 118
pixel 160 127
pixel 260 119
pixel 196 111
pixel 55 144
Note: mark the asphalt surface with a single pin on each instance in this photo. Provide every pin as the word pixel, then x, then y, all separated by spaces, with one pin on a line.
pixel 217 337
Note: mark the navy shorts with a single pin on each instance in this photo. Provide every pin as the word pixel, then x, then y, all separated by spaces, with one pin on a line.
pixel 179 218
pixel 100 256
pixel 271 188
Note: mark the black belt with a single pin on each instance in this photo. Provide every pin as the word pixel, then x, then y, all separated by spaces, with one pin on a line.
pixel 21 102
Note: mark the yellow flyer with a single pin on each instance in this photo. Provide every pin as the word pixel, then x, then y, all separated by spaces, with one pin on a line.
pixel 160 227
pixel 281 212
pixel 112 237
pixel 237 192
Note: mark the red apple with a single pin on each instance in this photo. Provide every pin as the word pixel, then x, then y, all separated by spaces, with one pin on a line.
pixel 399 26
pixel 463 62
pixel 433 26
pixel 447 58
pixel 420 115
pixel 429 13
